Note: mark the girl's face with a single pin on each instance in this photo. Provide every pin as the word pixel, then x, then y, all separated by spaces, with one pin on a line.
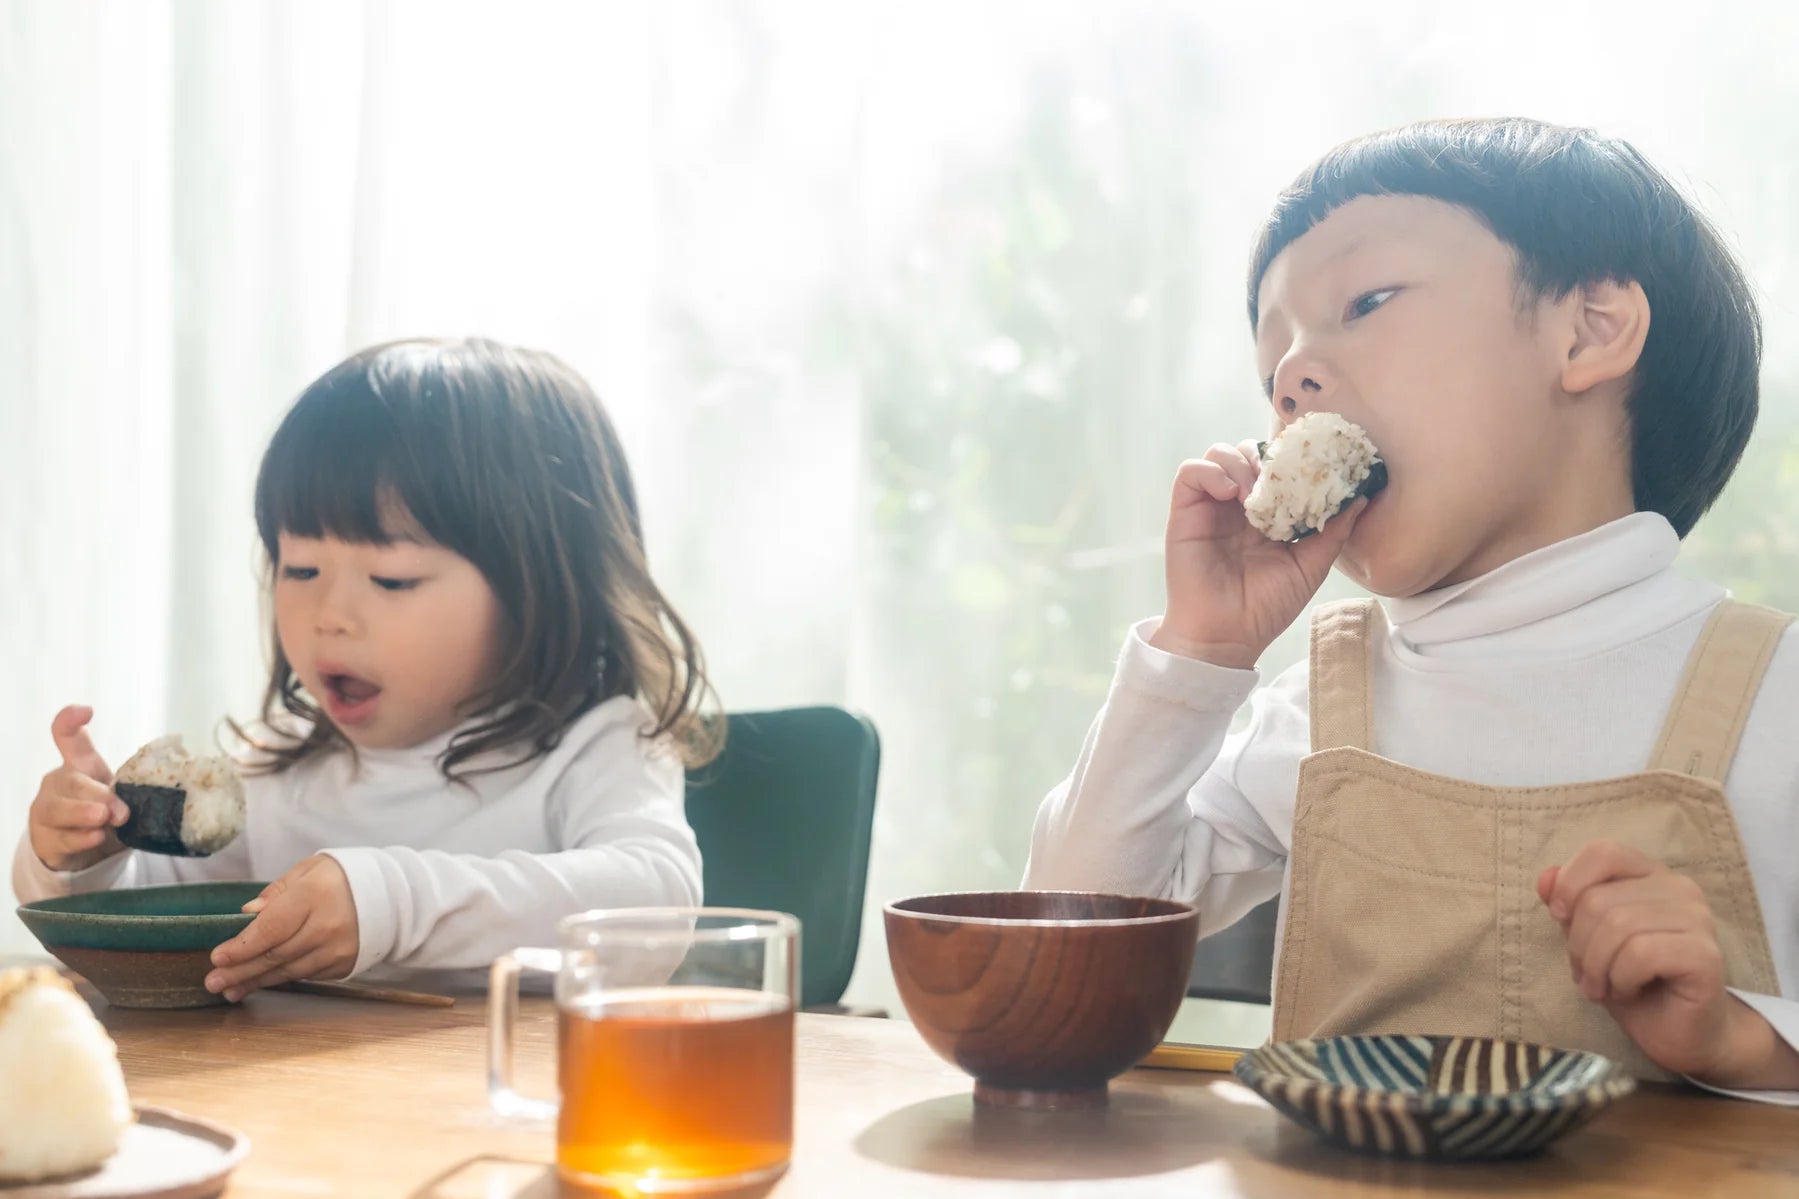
pixel 391 639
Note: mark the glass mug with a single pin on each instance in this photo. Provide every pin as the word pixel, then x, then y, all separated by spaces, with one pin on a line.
pixel 674 1046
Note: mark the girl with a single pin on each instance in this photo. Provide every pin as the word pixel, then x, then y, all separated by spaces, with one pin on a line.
pixel 480 704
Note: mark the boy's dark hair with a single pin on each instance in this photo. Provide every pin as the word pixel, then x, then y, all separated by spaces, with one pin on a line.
pixel 506 457
pixel 1579 208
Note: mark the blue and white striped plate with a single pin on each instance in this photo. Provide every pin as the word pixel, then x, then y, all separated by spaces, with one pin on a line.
pixel 1437 1097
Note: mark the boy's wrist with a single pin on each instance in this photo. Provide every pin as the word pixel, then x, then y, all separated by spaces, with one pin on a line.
pixel 1753 1056
pixel 1231 655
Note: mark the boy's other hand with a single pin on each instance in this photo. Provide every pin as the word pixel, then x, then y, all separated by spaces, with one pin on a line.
pixel 1642 941
pixel 305 927
pixel 1232 591
pixel 72 819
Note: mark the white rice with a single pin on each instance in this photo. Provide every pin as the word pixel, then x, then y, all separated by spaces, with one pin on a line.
pixel 63 1105
pixel 213 814
pixel 1309 472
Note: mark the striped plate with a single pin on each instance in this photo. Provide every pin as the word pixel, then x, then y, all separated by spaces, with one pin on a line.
pixel 1438 1097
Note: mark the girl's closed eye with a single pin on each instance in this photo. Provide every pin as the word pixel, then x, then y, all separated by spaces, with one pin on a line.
pixel 388 583
pixel 299 574
pixel 1368 301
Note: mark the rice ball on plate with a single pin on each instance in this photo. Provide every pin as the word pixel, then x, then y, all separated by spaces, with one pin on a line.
pixel 181 805
pixel 63 1105
pixel 1319 464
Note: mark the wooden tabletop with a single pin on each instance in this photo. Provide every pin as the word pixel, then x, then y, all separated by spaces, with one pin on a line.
pixel 356 1098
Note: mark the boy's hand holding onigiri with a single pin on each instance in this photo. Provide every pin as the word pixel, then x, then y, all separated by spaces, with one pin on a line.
pixel 73 817
pixel 305 927
pixel 1232 590
pixel 1642 941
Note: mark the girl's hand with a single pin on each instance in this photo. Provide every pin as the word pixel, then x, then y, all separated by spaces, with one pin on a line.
pixel 305 927
pixel 72 819
pixel 1642 941
pixel 1231 591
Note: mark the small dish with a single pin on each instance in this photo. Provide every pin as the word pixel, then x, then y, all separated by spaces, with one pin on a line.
pixel 143 946
pixel 164 1155
pixel 1448 1098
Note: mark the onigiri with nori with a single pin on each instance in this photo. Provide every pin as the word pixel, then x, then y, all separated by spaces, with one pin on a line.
pixel 63 1104
pixel 1318 465
pixel 181 805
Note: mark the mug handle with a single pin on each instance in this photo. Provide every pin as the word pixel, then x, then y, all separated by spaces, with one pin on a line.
pixel 502 1014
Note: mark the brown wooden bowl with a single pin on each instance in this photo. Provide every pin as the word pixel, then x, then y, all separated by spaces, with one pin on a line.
pixel 1043 996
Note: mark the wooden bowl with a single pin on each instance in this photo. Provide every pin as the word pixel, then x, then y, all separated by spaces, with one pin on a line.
pixel 143 946
pixel 1043 996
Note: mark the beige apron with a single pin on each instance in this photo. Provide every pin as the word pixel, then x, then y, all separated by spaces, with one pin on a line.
pixel 1412 903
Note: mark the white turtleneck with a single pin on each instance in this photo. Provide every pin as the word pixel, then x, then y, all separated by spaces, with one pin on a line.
pixel 447 877
pixel 1570 654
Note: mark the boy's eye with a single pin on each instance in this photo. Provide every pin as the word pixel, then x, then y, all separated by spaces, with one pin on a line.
pixel 299 574
pixel 389 584
pixel 1368 301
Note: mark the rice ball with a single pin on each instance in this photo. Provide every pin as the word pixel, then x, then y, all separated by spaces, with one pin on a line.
pixel 63 1105
pixel 181 804
pixel 1317 465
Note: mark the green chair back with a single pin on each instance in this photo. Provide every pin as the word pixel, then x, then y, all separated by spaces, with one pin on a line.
pixel 783 817
pixel 1237 963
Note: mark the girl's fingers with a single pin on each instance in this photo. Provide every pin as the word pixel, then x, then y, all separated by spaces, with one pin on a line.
pixel 77 792
pixel 74 843
pixel 304 966
pixel 69 731
pixel 77 815
pixel 276 935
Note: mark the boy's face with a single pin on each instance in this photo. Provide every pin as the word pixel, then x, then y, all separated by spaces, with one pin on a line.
pixel 1405 315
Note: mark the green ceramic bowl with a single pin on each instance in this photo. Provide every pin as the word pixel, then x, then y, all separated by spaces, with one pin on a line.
pixel 144 946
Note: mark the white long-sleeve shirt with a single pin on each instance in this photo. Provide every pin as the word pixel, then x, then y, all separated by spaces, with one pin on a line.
pixel 447 877
pixel 1558 667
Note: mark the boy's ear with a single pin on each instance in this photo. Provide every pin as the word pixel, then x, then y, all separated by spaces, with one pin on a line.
pixel 1610 323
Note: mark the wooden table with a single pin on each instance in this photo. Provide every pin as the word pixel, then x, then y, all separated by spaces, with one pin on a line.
pixel 355 1098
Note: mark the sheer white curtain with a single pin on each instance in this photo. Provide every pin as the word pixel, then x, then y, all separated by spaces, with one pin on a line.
pixel 906 310
pixel 203 205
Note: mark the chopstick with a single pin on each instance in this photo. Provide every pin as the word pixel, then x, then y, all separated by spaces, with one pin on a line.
pixel 364 991
pixel 1171 1056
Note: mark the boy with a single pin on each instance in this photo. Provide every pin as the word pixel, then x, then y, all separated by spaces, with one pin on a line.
pixel 1494 802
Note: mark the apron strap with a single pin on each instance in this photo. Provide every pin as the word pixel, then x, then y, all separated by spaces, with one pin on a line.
pixel 1717 689
pixel 1341 697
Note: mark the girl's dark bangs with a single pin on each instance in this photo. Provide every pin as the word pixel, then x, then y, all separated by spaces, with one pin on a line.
pixel 330 472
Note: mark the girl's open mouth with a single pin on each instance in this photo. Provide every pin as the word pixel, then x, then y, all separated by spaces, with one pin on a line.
pixel 348 699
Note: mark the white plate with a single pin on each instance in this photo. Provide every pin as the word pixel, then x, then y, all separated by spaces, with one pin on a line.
pixel 164 1155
